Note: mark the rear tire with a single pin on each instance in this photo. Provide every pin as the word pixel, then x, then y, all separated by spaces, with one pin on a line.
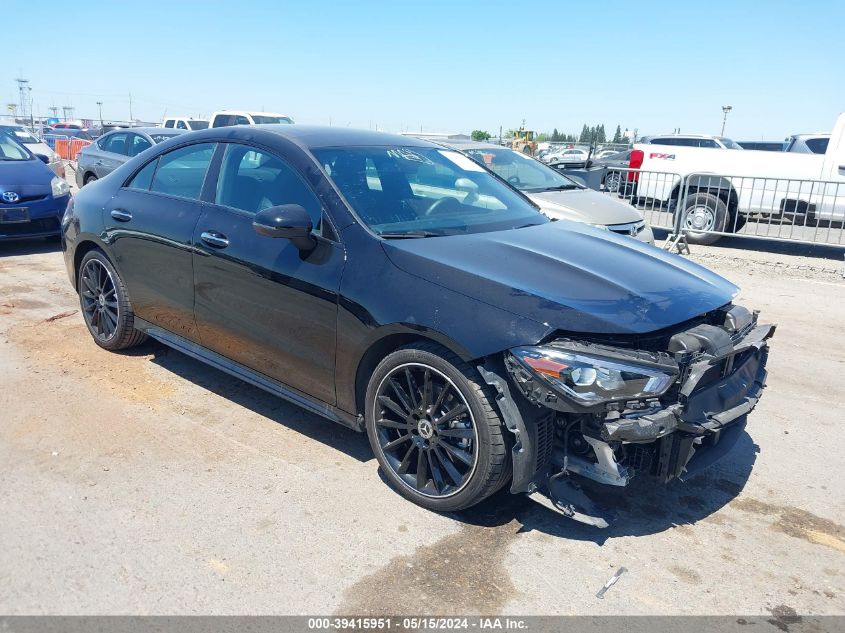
pixel 446 461
pixel 105 305
pixel 703 212
pixel 89 178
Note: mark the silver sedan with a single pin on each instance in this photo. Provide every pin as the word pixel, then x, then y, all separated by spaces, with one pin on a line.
pixel 111 150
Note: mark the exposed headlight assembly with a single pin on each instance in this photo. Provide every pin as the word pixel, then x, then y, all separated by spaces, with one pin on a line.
pixel 59 187
pixel 590 379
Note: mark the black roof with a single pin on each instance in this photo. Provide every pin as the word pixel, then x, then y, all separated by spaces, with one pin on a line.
pixel 312 136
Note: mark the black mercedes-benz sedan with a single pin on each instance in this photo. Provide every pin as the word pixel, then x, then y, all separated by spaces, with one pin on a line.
pixel 400 288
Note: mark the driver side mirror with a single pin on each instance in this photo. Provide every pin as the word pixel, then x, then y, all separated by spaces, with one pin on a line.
pixel 43 158
pixel 289 221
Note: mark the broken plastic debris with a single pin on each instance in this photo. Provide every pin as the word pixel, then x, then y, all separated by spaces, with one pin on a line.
pixel 611 582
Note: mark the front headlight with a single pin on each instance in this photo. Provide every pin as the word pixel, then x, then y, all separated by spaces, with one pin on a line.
pixel 59 187
pixel 590 380
pixel 56 158
pixel 603 227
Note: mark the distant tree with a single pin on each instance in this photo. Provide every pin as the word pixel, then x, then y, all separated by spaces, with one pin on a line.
pixel 601 136
pixel 542 137
pixel 480 135
pixel 585 134
pixel 617 136
pixel 555 136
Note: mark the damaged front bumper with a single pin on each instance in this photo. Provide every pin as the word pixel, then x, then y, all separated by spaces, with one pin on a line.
pixel 561 440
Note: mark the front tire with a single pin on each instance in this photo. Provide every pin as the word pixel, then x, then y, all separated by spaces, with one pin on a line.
pixel 89 179
pixel 105 305
pixel 434 429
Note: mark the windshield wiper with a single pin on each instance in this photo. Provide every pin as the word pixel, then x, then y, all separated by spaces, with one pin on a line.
pixel 561 188
pixel 409 235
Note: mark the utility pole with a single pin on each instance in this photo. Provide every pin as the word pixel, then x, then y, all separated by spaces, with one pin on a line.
pixel 725 109
pixel 54 111
pixel 130 108
pixel 23 86
pixel 100 106
pixel 68 112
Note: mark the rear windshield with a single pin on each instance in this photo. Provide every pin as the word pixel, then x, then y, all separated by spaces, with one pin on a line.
pixel 159 137
pixel 266 120
pixel 817 145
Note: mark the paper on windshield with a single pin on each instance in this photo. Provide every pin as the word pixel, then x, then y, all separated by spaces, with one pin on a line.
pixel 467 164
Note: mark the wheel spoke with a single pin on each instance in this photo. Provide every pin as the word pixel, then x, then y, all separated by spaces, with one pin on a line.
pixel 397 442
pixel 426 390
pixel 436 475
pixel 451 414
pixel 89 283
pixel 449 467
pixel 403 397
pixel 392 424
pixel 458 453
pixel 422 470
pixel 440 398
pixel 388 402
pixel 406 461
pixel 459 433
pixel 412 387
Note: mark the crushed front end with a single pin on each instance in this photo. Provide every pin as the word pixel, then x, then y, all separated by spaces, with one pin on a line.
pixel 595 414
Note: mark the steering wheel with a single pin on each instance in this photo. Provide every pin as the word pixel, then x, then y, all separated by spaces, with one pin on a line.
pixel 444 205
pixel 514 180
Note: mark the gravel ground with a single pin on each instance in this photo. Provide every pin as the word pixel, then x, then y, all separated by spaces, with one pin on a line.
pixel 146 482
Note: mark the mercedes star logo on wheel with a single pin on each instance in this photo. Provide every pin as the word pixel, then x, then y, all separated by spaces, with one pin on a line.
pixel 10 196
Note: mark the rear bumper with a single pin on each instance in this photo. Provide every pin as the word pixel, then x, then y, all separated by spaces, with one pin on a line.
pixel 44 219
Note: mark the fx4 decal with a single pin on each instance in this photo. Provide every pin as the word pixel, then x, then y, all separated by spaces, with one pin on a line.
pixel 663 156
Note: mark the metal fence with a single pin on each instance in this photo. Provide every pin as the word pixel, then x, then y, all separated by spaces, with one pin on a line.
pixel 704 207
pixel 66 147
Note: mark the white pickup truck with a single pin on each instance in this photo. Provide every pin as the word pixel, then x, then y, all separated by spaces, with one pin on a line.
pixel 720 188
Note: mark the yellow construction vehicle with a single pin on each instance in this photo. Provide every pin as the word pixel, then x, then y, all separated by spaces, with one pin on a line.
pixel 523 141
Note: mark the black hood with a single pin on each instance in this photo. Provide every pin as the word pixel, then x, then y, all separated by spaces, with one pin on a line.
pixel 568 276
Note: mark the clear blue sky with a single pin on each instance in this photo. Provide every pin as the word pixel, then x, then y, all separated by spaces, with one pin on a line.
pixel 442 65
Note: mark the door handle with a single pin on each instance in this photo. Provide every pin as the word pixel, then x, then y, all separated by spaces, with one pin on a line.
pixel 121 215
pixel 215 239
pixel 98 163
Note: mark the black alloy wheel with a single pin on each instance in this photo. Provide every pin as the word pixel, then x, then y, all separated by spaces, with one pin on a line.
pixel 105 305
pixel 434 428
pixel 98 297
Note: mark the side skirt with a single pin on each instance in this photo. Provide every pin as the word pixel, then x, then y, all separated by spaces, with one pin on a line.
pixel 248 375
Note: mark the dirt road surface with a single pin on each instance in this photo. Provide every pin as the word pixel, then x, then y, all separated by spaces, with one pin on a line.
pixel 145 482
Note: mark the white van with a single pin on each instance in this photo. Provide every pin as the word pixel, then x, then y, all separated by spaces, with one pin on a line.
pixel 185 123
pixel 224 118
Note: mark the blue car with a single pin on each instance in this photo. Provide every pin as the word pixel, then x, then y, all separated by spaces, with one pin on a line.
pixel 32 198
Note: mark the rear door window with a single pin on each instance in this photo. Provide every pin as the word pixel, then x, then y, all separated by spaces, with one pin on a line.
pixel 116 144
pixel 818 145
pixel 181 172
pixel 180 125
pixel 168 123
pixel 144 178
pixel 138 144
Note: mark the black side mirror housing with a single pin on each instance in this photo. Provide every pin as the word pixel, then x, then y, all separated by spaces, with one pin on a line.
pixel 44 159
pixel 289 221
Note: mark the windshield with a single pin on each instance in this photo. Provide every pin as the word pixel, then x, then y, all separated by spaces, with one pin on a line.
pixel 197 125
pixel 20 134
pixel 11 149
pixel 729 143
pixel 262 119
pixel 424 192
pixel 523 172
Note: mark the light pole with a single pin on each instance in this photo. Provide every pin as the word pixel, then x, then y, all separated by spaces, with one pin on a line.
pixel 100 105
pixel 725 109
